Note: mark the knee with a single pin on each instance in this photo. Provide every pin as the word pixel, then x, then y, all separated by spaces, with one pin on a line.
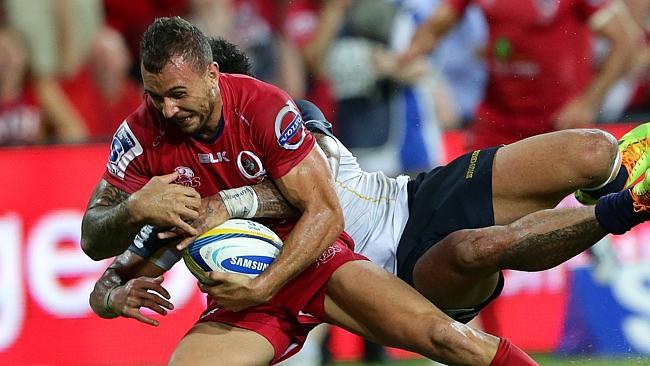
pixel 478 250
pixel 456 343
pixel 595 152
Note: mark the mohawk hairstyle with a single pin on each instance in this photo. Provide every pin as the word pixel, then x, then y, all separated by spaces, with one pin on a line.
pixel 169 37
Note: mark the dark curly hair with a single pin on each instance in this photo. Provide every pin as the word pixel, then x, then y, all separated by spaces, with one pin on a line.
pixel 231 59
pixel 169 37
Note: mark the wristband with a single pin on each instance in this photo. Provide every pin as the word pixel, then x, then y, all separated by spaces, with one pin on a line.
pixel 107 305
pixel 240 202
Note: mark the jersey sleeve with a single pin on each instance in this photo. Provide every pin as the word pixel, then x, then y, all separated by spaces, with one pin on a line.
pixel 125 167
pixel 277 128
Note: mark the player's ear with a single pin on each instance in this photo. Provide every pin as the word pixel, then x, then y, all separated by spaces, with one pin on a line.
pixel 213 70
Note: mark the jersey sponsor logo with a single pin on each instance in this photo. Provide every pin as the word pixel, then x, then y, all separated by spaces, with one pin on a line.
pixel 212 159
pixel 186 177
pixel 289 129
pixel 250 166
pixel 329 253
pixel 124 148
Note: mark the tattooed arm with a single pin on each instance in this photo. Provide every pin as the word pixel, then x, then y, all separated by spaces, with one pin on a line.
pixel 113 217
pixel 107 228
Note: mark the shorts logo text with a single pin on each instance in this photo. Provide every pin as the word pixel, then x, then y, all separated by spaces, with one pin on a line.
pixel 472 164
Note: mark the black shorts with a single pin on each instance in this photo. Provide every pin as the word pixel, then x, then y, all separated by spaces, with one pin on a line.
pixel 446 199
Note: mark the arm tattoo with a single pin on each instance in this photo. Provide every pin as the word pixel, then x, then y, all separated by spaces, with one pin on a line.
pixel 110 196
pixel 105 229
pixel 541 248
pixel 272 203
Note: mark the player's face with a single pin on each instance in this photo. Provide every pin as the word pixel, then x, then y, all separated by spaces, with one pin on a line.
pixel 186 98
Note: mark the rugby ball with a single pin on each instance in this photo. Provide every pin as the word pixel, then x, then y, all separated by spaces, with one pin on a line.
pixel 236 246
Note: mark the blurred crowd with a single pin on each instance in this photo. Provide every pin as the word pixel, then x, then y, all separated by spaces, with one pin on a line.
pixel 69 69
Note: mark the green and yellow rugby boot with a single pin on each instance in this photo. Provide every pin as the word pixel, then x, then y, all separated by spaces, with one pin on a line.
pixel 634 149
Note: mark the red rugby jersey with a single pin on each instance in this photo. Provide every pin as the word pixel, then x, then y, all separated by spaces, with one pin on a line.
pixel 539 53
pixel 262 137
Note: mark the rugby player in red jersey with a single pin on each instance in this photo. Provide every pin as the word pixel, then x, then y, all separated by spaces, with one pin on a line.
pixel 539 59
pixel 200 131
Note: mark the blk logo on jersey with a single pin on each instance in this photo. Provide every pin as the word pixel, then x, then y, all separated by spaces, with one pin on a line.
pixel 211 158
pixel 124 148
pixel 186 177
pixel 289 129
pixel 250 166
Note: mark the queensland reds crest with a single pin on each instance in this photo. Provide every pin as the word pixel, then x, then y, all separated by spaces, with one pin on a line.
pixel 186 177
pixel 289 128
pixel 250 166
pixel 329 253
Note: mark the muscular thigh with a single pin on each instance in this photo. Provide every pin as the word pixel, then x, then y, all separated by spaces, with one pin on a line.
pixel 445 200
pixel 538 172
pixel 380 307
pixel 383 308
pixel 211 343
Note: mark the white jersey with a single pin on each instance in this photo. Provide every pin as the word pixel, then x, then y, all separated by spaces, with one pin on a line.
pixel 375 208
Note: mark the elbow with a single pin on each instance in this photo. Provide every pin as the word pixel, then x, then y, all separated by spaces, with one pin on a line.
pixel 90 250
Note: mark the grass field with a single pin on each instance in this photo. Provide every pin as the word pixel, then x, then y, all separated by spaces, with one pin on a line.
pixel 544 360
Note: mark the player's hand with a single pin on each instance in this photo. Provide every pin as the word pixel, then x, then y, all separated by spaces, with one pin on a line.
pixel 162 203
pixel 235 292
pixel 141 292
pixel 578 113
pixel 211 213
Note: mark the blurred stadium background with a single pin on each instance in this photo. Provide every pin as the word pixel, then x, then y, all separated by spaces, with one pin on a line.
pixel 69 76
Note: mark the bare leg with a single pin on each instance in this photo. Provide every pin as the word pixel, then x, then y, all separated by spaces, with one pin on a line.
pixel 210 343
pixel 538 172
pixel 371 302
pixel 461 270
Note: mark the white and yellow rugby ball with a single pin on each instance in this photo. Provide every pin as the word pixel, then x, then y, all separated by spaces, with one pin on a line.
pixel 236 246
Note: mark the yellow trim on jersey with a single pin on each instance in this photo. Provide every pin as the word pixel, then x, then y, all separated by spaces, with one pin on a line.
pixel 365 198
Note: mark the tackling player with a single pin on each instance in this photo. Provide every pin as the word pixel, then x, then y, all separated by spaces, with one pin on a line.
pixel 199 132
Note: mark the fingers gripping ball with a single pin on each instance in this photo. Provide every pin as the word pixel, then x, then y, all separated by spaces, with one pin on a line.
pixel 236 246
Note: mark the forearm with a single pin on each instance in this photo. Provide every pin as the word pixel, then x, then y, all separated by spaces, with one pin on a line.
pixel 125 267
pixel 311 236
pixel 615 66
pixel 99 297
pixel 262 200
pixel 330 20
pixel 107 228
pixel 107 231
pixel 428 35
pixel 615 24
pixel 272 203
